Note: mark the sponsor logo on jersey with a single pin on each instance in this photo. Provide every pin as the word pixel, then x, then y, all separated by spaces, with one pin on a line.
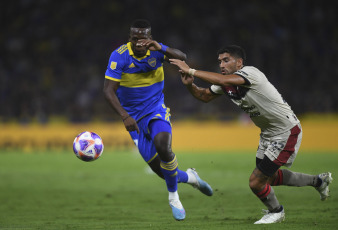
pixel 251 110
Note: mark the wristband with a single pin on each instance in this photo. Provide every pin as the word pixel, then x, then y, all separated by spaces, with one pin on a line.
pixel 191 72
pixel 125 118
pixel 164 48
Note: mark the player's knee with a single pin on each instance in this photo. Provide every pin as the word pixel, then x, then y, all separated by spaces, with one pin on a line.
pixel 155 167
pixel 163 150
pixel 165 154
pixel 162 143
pixel 255 183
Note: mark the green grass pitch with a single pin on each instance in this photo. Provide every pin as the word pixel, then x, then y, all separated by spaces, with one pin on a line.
pixel 55 190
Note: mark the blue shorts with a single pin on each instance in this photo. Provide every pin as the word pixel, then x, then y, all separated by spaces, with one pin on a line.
pixel 149 126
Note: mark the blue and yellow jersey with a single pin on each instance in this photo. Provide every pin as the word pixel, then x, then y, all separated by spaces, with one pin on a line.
pixel 141 80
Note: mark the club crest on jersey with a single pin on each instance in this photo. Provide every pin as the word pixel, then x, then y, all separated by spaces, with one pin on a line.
pixel 235 92
pixel 152 62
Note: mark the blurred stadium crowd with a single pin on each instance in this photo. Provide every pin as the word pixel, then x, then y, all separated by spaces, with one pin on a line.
pixel 54 53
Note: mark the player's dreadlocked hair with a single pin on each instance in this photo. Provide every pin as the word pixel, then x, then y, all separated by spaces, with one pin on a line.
pixel 233 50
pixel 140 23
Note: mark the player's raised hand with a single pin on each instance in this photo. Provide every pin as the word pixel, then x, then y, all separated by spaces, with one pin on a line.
pixel 187 79
pixel 184 68
pixel 150 44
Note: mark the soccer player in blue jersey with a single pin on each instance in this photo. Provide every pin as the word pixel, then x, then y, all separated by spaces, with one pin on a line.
pixel 133 86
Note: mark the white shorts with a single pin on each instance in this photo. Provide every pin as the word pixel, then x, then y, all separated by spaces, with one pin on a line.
pixel 283 148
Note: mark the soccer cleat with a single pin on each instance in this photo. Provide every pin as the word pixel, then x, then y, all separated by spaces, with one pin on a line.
pixel 201 185
pixel 271 217
pixel 323 189
pixel 177 209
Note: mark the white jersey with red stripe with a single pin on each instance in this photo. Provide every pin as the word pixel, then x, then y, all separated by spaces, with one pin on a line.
pixel 261 100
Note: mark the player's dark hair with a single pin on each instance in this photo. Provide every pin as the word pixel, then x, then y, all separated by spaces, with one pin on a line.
pixel 233 50
pixel 140 23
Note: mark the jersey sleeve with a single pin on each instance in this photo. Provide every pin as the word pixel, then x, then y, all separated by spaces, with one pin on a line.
pixel 115 67
pixel 249 75
pixel 216 89
pixel 161 55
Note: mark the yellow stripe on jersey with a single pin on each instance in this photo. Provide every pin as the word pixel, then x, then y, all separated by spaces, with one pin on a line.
pixel 133 80
pixel 113 79
pixel 122 49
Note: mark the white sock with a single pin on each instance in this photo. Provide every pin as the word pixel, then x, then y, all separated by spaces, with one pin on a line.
pixel 173 196
pixel 191 178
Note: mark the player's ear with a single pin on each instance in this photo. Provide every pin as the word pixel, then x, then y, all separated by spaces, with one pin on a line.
pixel 239 62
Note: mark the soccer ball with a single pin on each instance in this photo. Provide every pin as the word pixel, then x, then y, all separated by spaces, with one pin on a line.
pixel 88 146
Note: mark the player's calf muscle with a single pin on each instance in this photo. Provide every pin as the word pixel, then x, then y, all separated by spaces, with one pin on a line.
pixel 257 180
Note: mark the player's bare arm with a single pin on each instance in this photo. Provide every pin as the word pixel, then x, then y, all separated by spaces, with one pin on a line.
pixel 202 94
pixel 169 52
pixel 174 53
pixel 109 91
pixel 219 79
pixel 212 78
pixel 150 44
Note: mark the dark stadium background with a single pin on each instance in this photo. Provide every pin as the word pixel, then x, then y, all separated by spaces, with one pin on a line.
pixel 54 53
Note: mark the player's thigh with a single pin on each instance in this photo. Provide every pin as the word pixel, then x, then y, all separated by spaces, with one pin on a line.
pixel 157 126
pixel 144 144
pixel 159 122
pixel 150 126
pixel 160 131
pixel 266 167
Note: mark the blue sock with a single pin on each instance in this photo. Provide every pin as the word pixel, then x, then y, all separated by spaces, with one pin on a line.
pixel 169 170
pixel 182 176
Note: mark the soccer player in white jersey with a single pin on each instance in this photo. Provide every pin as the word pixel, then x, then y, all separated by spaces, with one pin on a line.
pixel 281 132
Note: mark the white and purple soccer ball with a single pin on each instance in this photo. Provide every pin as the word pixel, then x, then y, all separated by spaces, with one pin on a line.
pixel 88 146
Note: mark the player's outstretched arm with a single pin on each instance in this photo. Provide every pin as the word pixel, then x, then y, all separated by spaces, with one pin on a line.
pixel 218 79
pixel 202 94
pixel 174 53
pixel 109 91
pixel 211 77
